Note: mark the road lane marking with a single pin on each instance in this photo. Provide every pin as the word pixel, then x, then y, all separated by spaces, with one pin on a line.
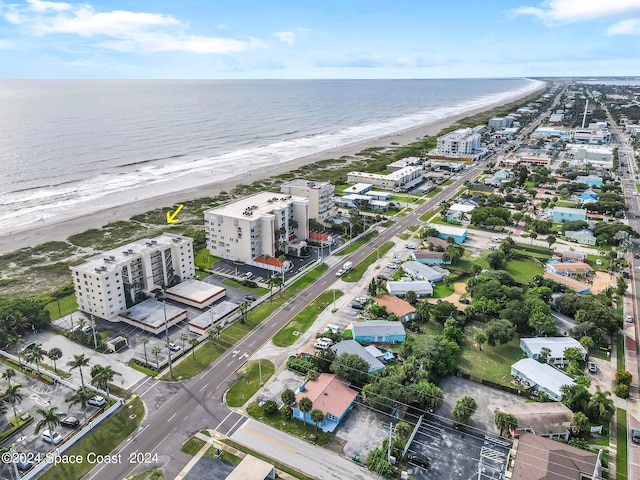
pixel 234 426
pixel 171 417
pixel 205 386
pixel 270 440
pixel 150 388
pixel 142 383
pixel 225 419
pixel 150 452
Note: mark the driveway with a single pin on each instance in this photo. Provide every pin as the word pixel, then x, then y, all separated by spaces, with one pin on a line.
pixel 360 432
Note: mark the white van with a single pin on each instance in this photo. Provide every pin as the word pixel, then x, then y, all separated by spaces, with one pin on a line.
pixel 492 247
pixel 52 437
pixel 323 343
pixel 496 239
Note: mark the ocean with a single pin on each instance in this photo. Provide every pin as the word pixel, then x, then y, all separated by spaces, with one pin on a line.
pixel 68 144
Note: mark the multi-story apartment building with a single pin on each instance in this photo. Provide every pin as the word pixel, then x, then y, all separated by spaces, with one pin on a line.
pixel 255 226
pixel 500 122
pixel 596 133
pixel 319 194
pixel 397 180
pixel 111 282
pixel 461 143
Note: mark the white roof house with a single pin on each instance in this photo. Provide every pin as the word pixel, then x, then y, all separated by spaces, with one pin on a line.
pixel 541 377
pixel 557 345
pixel 422 288
pixel 420 271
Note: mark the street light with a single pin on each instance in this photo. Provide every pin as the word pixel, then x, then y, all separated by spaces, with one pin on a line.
pixel 166 333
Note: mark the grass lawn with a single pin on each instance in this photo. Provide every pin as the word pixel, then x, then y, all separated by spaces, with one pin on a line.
pixel 591 260
pixel 638 187
pixel 426 216
pixel 249 383
pixel 140 368
pixel 523 270
pixel 204 259
pixel 358 243
pixel 621 441
pixel 188 367
pixel 434 192
pixel 303 320
pixel 490 363
pixel 404 236
pixel 440 221
pixel 101 441
pixel 441 290
pixel 292 425
pixel 67 305
pixel 153 474
pixel 356 272
pixel 258 291
pixel 413 228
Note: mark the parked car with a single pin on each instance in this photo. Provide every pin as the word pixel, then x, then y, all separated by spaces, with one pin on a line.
pixel 96 401
pixel 173 347
pixel 464 300
pixel 628 319
pixel 636 255
pixel 248 275
pixel 592 367
pixel 52 437
pixel 635 435
pixel 70 422
pixel 29 346
pixel 598 262
pixel 357 306
pixel 87 329
pixel 251 298
pixel 392 265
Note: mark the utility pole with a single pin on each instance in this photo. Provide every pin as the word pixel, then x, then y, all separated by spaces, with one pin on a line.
pixel 166 335
pixel 260 371
pixel 93 329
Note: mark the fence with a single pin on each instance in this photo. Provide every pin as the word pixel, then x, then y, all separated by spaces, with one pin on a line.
pixel 504 388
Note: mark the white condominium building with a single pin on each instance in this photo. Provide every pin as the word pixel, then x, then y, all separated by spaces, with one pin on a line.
pixel 394 180
pixel 319 194
pixel 258 225
pixel 109 283
pixel 461 143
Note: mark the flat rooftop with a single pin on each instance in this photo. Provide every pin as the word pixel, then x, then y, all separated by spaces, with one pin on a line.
pixel 216 312
pixel 195 290
pixel 151 312
pixel 255 206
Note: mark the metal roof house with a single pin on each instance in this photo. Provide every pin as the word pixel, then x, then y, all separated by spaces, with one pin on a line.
pixel 552 420
pixel 378 331
pixel 420 271
pixel 354 348
pixel 422 288
pixel 541 377
pixel 532 348
pixel 459 235
pixel 565 214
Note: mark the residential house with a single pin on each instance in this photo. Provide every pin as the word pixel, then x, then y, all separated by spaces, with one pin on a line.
pixel 583 236
pixel 429 258
pixel 532 348
pixel 406 162
pixel 539 458
pixel 378 331
pixel 436 242
pixel 575 285
pixel 354 348
pixel 571 270
pixel 420 271
pixel 376 352
pixel 564 214
pixel 540 377
pixel 480 188
pixel 586 197
pixel 459 211
pixel 394 305
pixel 552 420
pixel 358 189
pixel 570 256
pixel 329 394
pixel 459 235
pixel 378 195
pixel 351 200
pixel 422 288
pixel 493 181
pixel 504 174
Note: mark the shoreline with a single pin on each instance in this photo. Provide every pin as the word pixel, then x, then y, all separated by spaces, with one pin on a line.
pixel 120 207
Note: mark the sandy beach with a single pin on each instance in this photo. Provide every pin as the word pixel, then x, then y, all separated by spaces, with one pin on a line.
pixel 135 201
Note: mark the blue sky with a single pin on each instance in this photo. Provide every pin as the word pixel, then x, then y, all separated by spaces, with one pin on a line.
pixel 318 39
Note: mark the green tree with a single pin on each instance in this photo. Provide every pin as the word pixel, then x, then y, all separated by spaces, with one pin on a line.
pixel 80 396
pixel 622 377
pixel 305 405
pixel 573 354
pixel 422 310
pixel 144 341
pixel 50 419
pixel 193 341
pixel 184 338
pixel 288 397
pixel 317 417
pixel 410 297
pixel 505 421
pixel 78 362
pixel 580 421
pixel 621 286
pixel 464 408
pixel 55 354
pixel 443 310
pixel 36 354
pixel 480 337
pixel 587 342
pixel 271 283
pixel 9 373
pixel 545 353
pixel 499 332
pixel 426 395
pixel 497 260
pixel 351 367
pixel 551 240
pixel 101 377
pixel 576 397
pixel 12 395
pixel 601 406
pixel 244 308
pixel 155 350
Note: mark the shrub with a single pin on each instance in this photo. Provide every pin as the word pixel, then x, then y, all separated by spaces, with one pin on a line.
pixel 269 407
pixel 301 365
pixel 622 390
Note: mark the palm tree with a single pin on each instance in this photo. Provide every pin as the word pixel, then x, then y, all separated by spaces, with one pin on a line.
pixel 36 354
pixel 144 341
pixel 288 397
pixel 243 307
pixel 193 341
pixel 600 406
pixel 81 396
pixel 272 282
pixel 78 362
pixel 305 405
pixel 12 395
pixel 155 351
pixel 9 373
pixel 50 419
pixel 422 310
pixel 317 417
pixel 101 377
pixel 55 354
pixel 184 338
pixel 505 421
pixel 464 408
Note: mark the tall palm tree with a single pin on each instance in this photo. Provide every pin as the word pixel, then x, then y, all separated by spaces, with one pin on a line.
pixel 50 419
pixel 78 362
pixel 12 395
pixel 81 396
pixel 305 405
pixel 36 354
pixel 193 341
pixel 144 341
pixel 243 307
pixel 55 354
pixel 600 406
pixel 9 373
pixel 101 377
pixel 184 338
pixel 155 351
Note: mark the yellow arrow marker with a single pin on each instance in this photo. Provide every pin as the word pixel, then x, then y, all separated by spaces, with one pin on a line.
pixel 171 217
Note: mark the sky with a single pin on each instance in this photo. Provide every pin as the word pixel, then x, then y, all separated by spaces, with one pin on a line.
pixel 278 39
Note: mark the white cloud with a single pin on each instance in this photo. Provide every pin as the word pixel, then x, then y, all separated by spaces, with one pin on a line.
pixel 119 29
pixel 286 37
pixel 571 11
pixel 625 27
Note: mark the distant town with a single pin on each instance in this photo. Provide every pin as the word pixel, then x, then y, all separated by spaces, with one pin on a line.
pixel 466 309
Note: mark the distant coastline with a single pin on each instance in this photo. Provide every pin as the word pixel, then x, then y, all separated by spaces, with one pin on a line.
pixel 124 205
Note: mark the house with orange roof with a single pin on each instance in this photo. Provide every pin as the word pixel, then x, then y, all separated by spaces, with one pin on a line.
pixel 329 394
pixel 402 309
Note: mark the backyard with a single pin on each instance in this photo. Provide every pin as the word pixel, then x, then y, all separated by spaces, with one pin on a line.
pixel 490 363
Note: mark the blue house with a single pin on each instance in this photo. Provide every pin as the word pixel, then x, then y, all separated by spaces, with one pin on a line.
pixel 459 235
pixel 329 394
pixel 378 331
pixel 354 348
pixel 429 258
pixel 564 214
